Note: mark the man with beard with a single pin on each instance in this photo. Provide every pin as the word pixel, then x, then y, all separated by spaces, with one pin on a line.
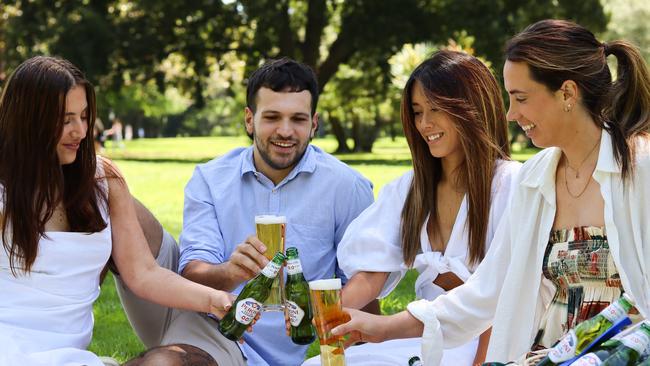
pixel 280 174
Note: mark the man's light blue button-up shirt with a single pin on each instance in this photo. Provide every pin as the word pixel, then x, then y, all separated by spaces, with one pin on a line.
pixel 319 197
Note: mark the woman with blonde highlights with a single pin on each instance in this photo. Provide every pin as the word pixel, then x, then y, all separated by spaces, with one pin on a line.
pixel 575 233
pixel 438 217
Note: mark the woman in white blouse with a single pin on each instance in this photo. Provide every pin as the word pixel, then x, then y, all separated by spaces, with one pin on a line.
pixel 589 186
pixel 438 217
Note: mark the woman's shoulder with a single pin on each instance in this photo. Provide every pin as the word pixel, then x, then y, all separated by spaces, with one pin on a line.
pixel 505 173
pixel 507 168
pixel 643 150
pixel 110 178
pixel 543 157
pixel 107 169
pixel 642 160
pixel 398 186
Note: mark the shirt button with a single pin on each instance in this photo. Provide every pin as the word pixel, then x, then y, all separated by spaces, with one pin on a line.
pixel 274 191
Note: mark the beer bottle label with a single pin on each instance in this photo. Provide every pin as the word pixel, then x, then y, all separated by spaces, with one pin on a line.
pixel 590 359
pixel 295 313
pixel 614 312
pixel 247 309
pixel 638 341
pixel 294 266
pixel 565 348
pixel 271 270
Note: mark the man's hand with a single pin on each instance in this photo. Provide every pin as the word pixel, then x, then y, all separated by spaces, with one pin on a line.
pixel 247 260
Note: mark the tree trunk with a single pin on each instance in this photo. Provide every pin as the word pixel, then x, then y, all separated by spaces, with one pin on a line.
pixel 365 135
pixel 339 133
pixel 316 19
pixel 287 45
pixel 199 99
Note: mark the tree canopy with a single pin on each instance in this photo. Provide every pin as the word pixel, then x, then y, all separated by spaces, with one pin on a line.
pixel 149 57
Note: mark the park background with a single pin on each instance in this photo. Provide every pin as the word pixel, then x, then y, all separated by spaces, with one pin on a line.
pixel 175 71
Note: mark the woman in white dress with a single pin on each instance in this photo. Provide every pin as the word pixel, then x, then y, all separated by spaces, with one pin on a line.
pixel 438 217
pixel 63 213
pixel 575 233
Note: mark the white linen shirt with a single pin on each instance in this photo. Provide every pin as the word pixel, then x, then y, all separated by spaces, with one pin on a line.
pixel 508 284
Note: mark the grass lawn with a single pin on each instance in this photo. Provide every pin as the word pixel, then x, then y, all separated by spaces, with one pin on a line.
pixel 157 171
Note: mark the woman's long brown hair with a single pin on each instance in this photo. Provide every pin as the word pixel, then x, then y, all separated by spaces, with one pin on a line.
pixel 32 110
pixel 463 87
pixel 558 50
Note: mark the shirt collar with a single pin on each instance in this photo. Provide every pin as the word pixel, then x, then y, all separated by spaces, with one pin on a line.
pixel 247 164
pixel 307 163
pixel 542 174
pixel 606 159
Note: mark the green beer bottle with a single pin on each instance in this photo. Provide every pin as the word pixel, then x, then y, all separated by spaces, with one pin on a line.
pixel 415 361
pixel 632 347
pixel 599 354
pixel 593 358
pixel 645 362
pixel 577 339
pixel 297 301
pixel 250 299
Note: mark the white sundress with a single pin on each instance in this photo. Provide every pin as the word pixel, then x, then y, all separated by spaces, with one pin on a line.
pixel 46 316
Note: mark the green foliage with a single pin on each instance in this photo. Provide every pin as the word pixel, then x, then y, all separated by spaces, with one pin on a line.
pixel 202 50
pixel 629 21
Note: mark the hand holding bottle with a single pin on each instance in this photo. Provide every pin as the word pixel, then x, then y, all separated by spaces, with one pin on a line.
pixel 220 303
pixel 249 302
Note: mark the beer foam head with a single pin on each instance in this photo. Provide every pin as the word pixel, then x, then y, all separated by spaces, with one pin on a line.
pixel 270 219
pixel 331 284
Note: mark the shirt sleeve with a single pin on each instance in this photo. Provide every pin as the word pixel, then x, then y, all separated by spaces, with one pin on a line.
pixel 372 241
pixel 502 187
pixel 201 238
pixel 358 199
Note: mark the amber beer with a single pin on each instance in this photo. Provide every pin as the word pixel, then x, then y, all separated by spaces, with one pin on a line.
pixel 328 313
pixel 270 231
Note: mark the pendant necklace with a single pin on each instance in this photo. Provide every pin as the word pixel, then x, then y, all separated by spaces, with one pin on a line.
pixel 566 182
pixel 583 160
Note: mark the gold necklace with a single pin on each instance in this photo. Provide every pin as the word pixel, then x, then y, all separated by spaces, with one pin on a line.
pixel 566 184
pixel 582 162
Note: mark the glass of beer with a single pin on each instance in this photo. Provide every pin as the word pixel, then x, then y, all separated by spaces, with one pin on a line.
pixel 328 313
pixel 270 231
